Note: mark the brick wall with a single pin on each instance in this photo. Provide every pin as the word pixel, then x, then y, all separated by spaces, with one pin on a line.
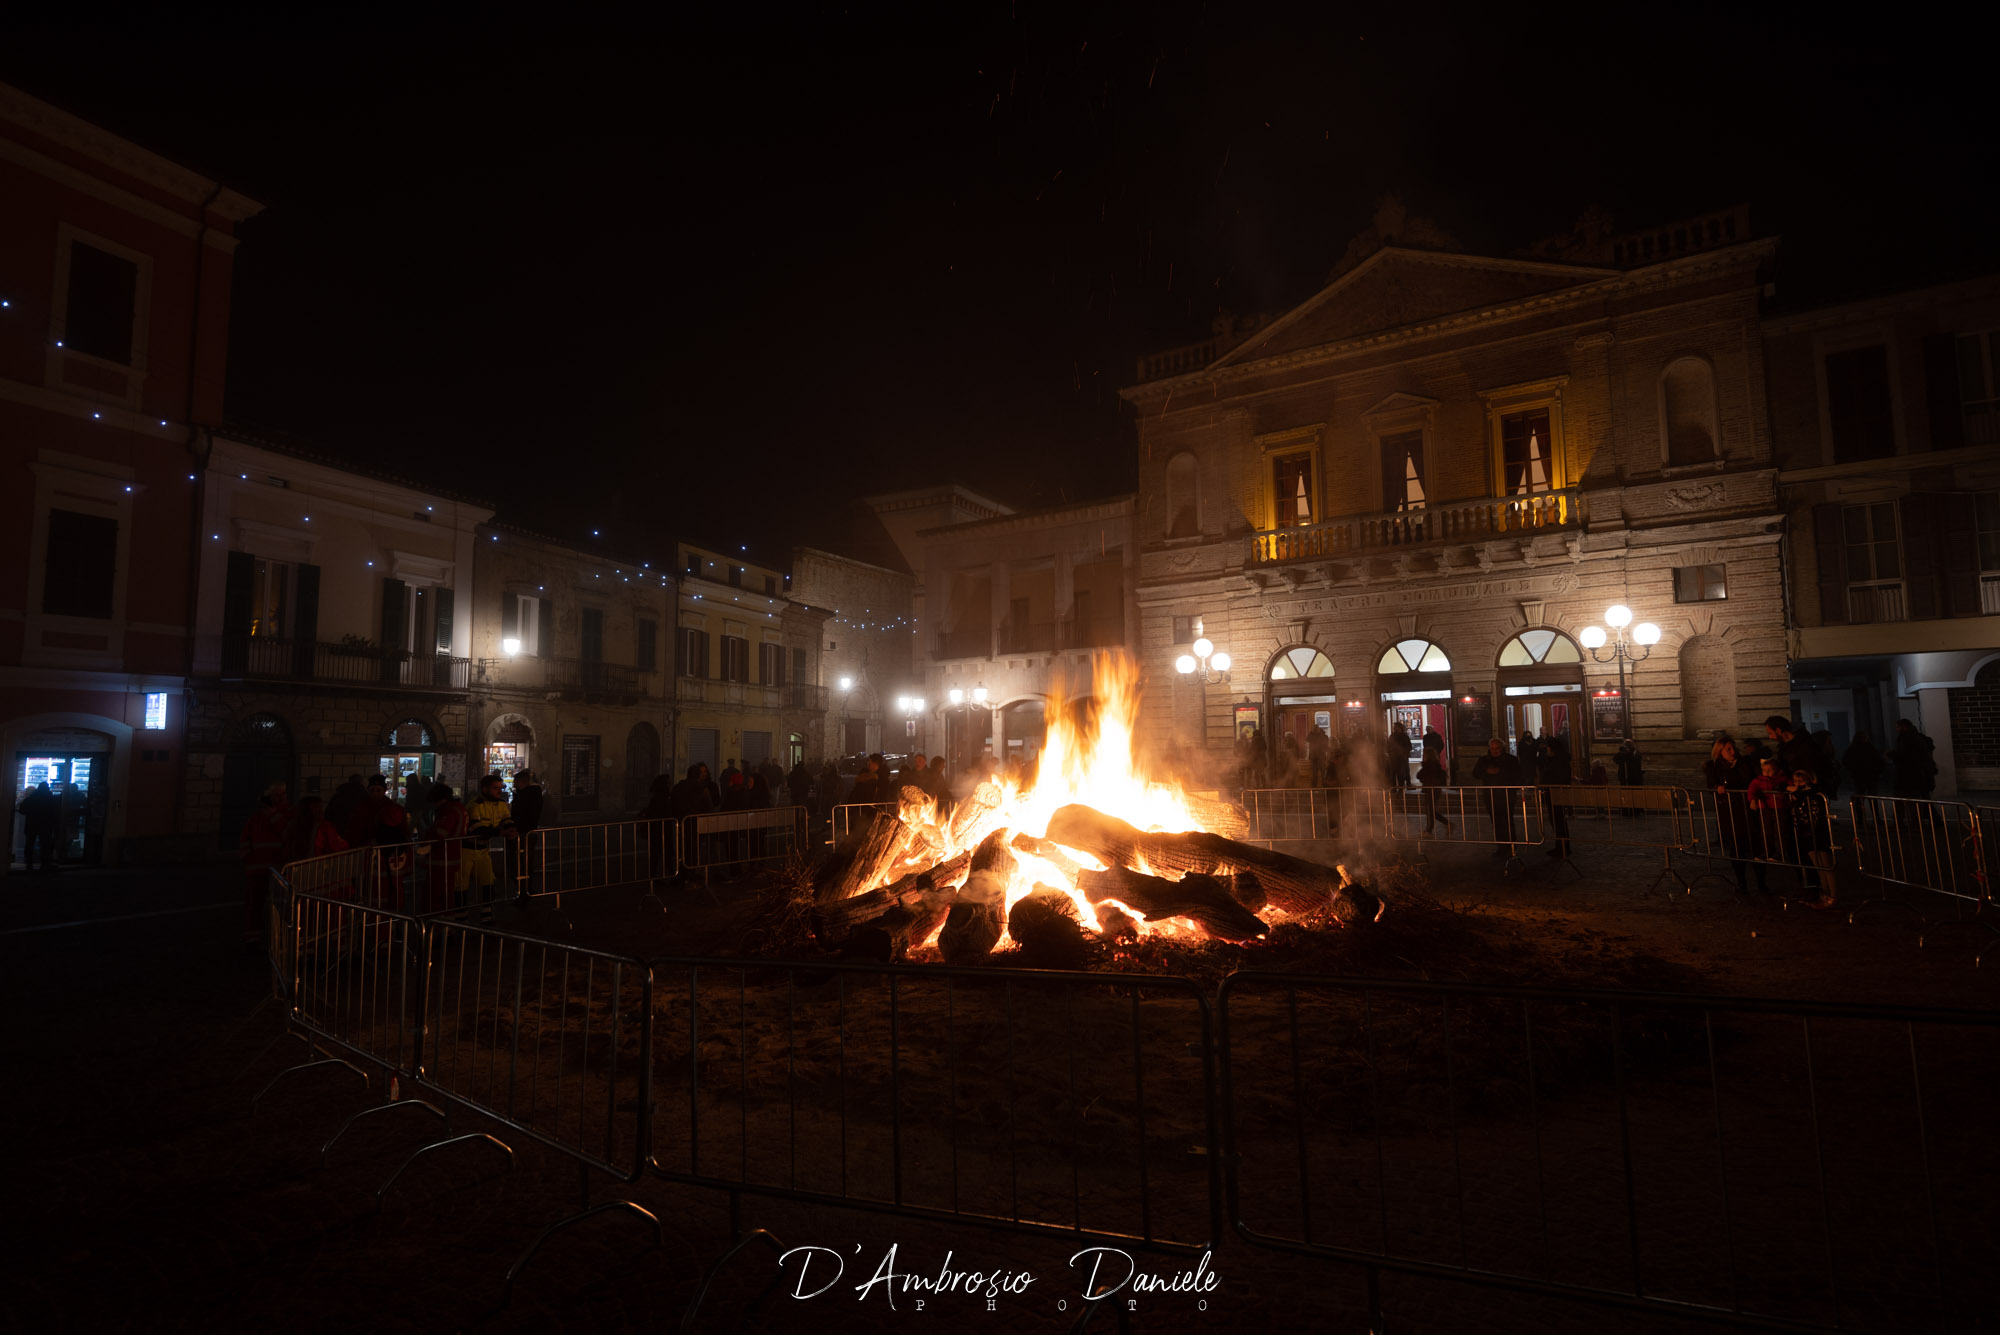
pixel 1975 720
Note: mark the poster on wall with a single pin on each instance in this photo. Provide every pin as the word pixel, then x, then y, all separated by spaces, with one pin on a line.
pixel 1607 716
pixel 1475 721
pixel 451 770
pixel 1248 719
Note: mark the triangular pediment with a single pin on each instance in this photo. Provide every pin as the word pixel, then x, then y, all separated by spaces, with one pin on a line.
pixel 1396 288
pixel 1400 403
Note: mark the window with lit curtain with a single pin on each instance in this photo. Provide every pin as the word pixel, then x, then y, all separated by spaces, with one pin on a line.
pixel 1403 471
pixel 1525 453
pixel 1292 490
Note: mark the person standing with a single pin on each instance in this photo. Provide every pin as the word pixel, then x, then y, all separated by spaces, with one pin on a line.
pixel 1728 775
pixel 1502 773
pixel 729 776
pixel 41 814
pixel 1555 773
pixel 1396 758
pixel 1795 750
pixel 449 823
pixel 1812 833
pixel 262 844
pixel 1915 761
pixel 1631 765
pixel 798 784
pixel 1432 778
pixel 347 799
pixel 1770 803
pixel 526 808
pixel 1863 764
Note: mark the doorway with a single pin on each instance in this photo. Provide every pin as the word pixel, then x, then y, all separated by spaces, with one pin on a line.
pixel 259 755
pixel 76 765
pixel 1540 675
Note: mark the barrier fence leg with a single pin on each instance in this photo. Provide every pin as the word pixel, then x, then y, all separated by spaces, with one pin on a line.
pixel 585 1211
pixel 759 1235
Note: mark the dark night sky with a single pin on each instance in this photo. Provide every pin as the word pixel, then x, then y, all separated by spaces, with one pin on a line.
pixel 718 275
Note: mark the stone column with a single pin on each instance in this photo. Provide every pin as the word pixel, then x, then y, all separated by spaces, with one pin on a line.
pixel 1934 715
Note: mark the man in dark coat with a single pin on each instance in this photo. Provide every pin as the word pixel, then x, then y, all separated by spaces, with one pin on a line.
pixel 1795 750
pixel 1496 769
pixel 1915 762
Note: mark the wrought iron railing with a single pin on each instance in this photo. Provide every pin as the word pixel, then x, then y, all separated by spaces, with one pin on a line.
pixel 273 658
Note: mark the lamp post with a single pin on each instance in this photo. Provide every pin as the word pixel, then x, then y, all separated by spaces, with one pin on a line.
pixel 1634 650
pixel 911 707
pixel 1207 661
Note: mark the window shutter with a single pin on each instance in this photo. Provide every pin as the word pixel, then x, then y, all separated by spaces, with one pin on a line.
pixel 395 610
pixel 236 593
pixel 1830 547
pixel 545 628
pixel 306 632
pixel 510 616
pixel 1942 391
pixel 444 613
pixel 1958 553
pixel 1916 515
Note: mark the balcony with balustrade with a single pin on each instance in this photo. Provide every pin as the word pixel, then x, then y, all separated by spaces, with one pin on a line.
pixel 750 694
pixel 356 663
pixel 586 679
pixel 1457 521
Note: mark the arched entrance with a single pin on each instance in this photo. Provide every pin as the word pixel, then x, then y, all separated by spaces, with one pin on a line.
pixel 1540 676
pixel 1298 697
pixel 76 765
pixel 642 764
pixel 409 759
pixel 258 755
pixel 1413 683
pixel 510 746
pixel 1024 726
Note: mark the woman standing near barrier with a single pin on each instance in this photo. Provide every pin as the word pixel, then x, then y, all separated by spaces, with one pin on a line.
pixel 1497 769
pixel 1729 775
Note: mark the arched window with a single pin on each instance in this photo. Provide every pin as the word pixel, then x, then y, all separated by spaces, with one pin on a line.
pixel 1183 497
pixel 1413 656
pixel 1687 412
pixel 1533 647
pixel 1300 663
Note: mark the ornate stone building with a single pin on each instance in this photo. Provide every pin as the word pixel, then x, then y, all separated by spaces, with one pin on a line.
pixel 1407 498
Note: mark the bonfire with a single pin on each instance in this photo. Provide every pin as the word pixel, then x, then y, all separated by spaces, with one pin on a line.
pixel 1090 845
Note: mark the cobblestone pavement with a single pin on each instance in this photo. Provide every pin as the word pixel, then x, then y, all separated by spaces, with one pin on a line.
pixel 148 1195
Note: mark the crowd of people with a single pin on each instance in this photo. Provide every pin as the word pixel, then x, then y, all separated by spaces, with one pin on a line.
pixel 437 852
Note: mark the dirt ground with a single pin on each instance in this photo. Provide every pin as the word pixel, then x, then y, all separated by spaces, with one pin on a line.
pixel 151 1195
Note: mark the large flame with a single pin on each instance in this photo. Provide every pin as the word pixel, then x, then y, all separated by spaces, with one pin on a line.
pixel 1087 758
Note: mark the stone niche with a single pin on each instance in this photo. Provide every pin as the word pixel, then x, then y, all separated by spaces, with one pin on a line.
pixel 1708 686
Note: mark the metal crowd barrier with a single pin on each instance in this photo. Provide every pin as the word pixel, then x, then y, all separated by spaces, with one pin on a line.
pixel 1725 828
pixel 743 838
pixel 851 818
pixel 1505 816
pixel 1936 846
pixel 562 858
pixel 1065 1104
pixel 1659 818
pixel 1742 1161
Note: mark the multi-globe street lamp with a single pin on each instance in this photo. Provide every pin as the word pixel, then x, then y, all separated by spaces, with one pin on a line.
pixel 911 707
pixel 1636 649
pixel 1209 662
pixel 962 702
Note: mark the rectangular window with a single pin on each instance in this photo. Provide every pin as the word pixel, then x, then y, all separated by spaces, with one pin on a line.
pixel 691 652
pixel 771 584
pixel 156 710
pixel 735 658
pixel 1292 490
pixel 1184 630
pixel 691 564
pixel 579 772
pixel 648 656
pixel 269 604
pixel 591 648
pixel 1700 584
pixel 520 621
pixel 1986 512
pixel 1403 471
pixel 736 577
pixel 771 664
pixel 1859 413
pixel 1874 563
pixel 1979 386
pixel 102 299
pixel 1526 452
pixel 80 567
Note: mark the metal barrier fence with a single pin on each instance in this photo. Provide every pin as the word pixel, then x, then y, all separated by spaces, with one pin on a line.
pixel 561 858
pixel 1659 818
pixel 1919 843
pixel 1047 1102
pixel 851 818
pixel 1506 816
pixel 1725 828
pixel 1752 1162
pixel 743 838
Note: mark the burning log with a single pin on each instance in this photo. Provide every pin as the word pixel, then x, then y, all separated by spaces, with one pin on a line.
pixel 979 914
pixel 839 919
pixel 1290 883
pixel 1199 899
pixel 1043 924
pixel 1042 848
pixel 1115 924
pixel 866 861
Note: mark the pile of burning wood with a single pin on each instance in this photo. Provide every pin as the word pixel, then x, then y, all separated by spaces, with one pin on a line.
pixel 973 880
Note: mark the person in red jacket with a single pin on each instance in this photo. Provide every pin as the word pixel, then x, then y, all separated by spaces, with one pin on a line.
pixel 450 822
pixel 262 844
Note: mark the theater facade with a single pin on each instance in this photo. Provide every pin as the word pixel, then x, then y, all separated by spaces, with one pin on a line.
pixel 1406 500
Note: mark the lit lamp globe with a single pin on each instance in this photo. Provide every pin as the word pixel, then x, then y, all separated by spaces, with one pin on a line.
pixel 1619 615
pixel 979 695
pixel 1220 662
pixel 847 683
pixel 1592 637
pixel 510 646
pixel 1645 633
pixel 1203 647
pixel 1184 664
pixel 917 705
pixel 957 696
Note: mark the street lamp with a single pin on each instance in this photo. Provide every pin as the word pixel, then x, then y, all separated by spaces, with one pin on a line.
pixel 911 707
pixel 962 703
pixel 1211 663
pixel 1634 650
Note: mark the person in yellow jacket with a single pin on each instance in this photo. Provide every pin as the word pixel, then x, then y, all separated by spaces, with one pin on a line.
pixel 491 826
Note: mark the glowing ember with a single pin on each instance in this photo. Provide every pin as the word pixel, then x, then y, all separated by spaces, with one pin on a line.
pixel 1086 760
